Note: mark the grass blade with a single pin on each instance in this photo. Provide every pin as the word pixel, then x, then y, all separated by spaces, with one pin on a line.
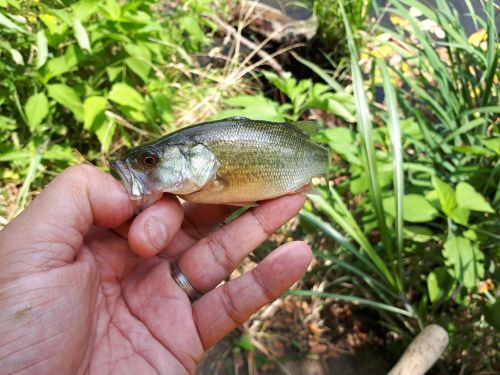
pixel 352 299
pixel 397 157
pixel 365 126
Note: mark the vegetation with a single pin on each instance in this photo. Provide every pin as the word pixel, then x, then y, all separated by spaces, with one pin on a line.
pixel 408 224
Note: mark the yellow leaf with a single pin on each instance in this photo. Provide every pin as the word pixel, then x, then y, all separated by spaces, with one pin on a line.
pixel 478 37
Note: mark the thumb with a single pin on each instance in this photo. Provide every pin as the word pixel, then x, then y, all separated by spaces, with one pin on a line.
pixel 50 232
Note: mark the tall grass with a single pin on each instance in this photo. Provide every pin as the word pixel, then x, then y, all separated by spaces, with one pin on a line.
pixel 436 122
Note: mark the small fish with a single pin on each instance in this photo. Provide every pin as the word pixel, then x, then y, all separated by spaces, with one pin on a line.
pixel 232 161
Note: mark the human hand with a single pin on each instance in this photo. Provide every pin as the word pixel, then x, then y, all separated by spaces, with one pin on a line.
pixel 85 287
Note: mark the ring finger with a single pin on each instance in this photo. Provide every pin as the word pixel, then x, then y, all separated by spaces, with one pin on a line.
pixel 213 258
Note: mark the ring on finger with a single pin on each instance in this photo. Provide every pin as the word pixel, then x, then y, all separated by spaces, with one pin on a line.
pixel 184 283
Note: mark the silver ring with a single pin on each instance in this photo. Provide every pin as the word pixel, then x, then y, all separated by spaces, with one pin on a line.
pixel 184 283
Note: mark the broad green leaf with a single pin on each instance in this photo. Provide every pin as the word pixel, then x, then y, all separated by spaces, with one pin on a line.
pixel 439 284
pixel 105 134
pixel 113 72
pixel 339 109
pixel 84 9
pixel 81 35
pixel 16 56
pixel 446 195
pixel 36 109
pixel 416 209
pixel 492 144
pixel 464 261
pixel 469 198
pixel 68 98
pixel 112 9
pixel 93 110
pixel 59 152
pixel 460 215
pixel 342 141
pixel 139 67
pixel 62 64
pixel 42 49
pixel 127 96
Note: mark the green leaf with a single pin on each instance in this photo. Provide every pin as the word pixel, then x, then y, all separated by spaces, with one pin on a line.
pixel 105 134
pixel 36 109
pixel 84 9
pixel 93 112
pixel 464 261
pixel 127 96
pixel 245 342
pixel 68 98
pixel 16 56
pixel 439 284
pixel 492 314
pixel 42 49
pixel 7 23
pixel 446 195
pixel 416 209
pixel 81 35
pixel 113 72
pixel 492 144
pixel 469 198
pixel 62 64
pixel 112 9
pixel 139 67
pixel 460 215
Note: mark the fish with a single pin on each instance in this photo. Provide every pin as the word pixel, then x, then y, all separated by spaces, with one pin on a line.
pixel 234 161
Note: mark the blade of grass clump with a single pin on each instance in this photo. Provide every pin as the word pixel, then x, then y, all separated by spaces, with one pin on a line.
pixel 353 299
pixel 492 52
pixel 377 286
pixel 397 157
pixel 346 221
pixel 327 229
pixel 365 126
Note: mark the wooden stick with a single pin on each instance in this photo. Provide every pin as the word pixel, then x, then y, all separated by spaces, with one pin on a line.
pixel 423 352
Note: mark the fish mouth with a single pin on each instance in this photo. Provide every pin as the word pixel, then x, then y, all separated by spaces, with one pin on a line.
pixel 136 186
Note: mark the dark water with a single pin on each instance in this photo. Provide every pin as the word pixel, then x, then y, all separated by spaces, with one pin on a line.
pixel 301 12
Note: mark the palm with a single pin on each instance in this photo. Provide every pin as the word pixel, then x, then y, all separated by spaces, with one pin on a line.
pixel 129 307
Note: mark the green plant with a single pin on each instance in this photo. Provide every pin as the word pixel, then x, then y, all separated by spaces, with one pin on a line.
pixel 414 214
pixel 83 75
pixel 331 32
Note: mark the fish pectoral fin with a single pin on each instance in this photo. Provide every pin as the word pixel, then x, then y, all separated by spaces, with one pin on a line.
pixel 308 127
pixel 202 165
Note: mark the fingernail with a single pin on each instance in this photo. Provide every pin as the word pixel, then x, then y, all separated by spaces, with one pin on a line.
pixel 157 232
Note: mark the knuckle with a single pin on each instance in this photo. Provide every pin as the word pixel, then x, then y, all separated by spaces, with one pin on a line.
pixel 229 305
pixel 216 244
pixel 262 222
pixel 262 285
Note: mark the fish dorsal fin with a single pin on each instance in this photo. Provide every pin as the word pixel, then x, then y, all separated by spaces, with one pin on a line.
pixel 308 127
pixel 236 118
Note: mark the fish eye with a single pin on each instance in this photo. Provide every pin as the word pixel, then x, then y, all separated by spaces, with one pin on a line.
pixel 148 159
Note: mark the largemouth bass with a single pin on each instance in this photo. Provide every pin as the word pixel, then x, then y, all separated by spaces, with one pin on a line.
pixel 233 161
